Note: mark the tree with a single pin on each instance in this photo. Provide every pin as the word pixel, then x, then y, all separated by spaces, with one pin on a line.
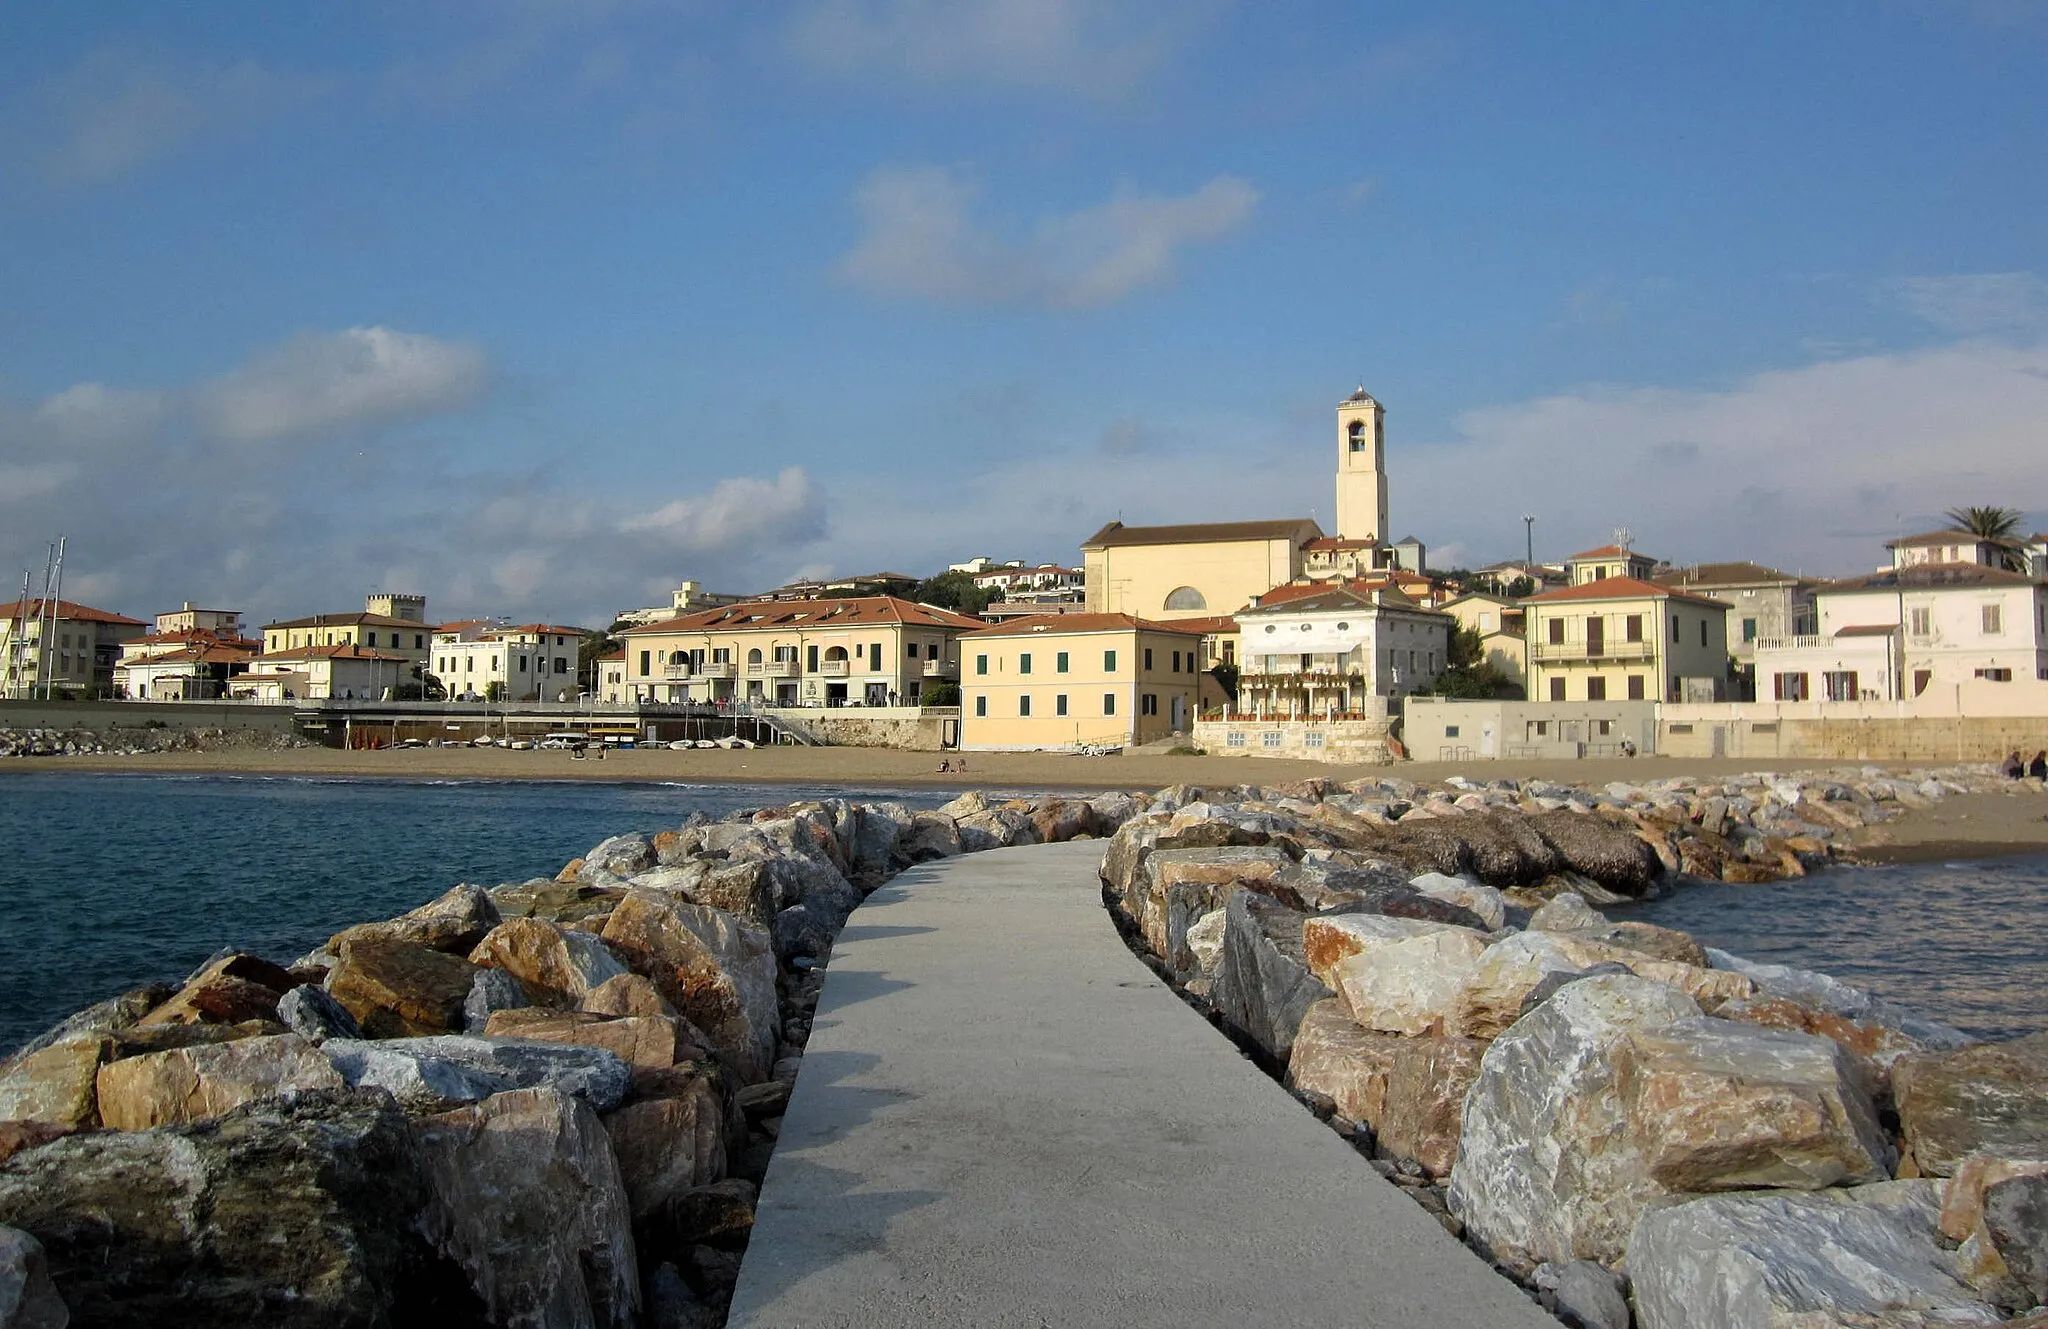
pixel 940 694
pixel 1468 676
pixel 952 590
pixel 1226 676
pixel 2001 525
pixel 594 645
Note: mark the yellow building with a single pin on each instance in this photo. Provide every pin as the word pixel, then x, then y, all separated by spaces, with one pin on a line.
pixel 873 651
pixel 58 647
pixel 1625 639
pixel 395 624
pixel 1500 623
pixel 1065 680
pixel 1195 571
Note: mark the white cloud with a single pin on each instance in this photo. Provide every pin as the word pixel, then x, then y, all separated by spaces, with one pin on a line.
pixel 118 109
pixel 330 380
pixel 93 414
pixel 1976 302
pixel 742 510
pixel 1807 468
pixel 1094 47
pixel 921 240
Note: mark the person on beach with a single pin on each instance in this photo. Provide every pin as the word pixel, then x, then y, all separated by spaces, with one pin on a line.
pixel 2038 767
pixel 2013 768
pixel 945 767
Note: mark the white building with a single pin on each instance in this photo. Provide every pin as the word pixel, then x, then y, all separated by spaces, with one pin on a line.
pixel 1938 547
pixel 1919 625
pixel 1322 653
pixel 531 662
pixel 341 670
pixel 1046 582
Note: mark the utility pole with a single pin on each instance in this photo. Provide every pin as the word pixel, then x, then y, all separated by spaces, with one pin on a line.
pixel 1529 539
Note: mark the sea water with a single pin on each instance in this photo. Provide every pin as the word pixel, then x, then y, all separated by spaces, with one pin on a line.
pixel 109 881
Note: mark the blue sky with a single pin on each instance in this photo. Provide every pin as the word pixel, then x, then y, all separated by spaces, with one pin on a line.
pixel 538 308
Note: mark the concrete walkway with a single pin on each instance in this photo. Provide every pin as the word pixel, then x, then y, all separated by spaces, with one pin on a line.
pixel 1005 1119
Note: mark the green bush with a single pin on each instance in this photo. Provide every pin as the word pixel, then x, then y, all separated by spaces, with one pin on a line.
pixel 1185 750
pixel 940 694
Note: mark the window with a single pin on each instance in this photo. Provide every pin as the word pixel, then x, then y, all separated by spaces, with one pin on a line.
pixel 1632 628
pixel 1748 630
pixel 1920 622
pixel 875 658
pixel 910 651
pixel 1596 689
pixel 646 662
pixel 522 664
pixel 1176 662
pixel 1450 731
pixel 1187 597
pixel 1024 705
pixel 1234 739
pixel 1024 663
pixel 1557 632
pixel 1059 663
pixel 1270 739
pixel 1764 727
pixel 1994 620
pixel 1703 632
pixel 1603 727
pixel 1840 684
pixel 1313 738
pixel 981 706
pixel 811 661
pixel 1789 687
pixel 1059 703
pixel 931 650
pixel 1109 662
pixel 1557 689
pixel 1635 687
pixel 1681 729
pixel 981 664
pixel 1109 703
pixel 1542 728
pixel 1674 629
pixel 1148 659
pixel 369 639
pixel 561 664
pixel 1148 704
pixel 1996 675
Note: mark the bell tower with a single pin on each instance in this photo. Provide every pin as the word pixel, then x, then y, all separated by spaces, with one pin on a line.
pixel 1361 468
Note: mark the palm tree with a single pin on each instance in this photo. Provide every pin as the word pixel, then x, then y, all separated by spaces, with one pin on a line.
pixel 2001 525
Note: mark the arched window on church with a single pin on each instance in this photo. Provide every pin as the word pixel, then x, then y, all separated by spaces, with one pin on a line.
pixel 1187 597
pixel 1359 439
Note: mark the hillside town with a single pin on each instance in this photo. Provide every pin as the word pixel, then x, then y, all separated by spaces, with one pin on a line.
pixel 1263 637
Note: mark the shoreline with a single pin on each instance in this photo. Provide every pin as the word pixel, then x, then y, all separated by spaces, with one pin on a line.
pixel 1960 826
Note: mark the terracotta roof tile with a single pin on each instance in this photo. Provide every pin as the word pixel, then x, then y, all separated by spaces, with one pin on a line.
pixel 1065 623
pixel 1622 588
pixel 1297 529
pixel 67 609
pixel 783 615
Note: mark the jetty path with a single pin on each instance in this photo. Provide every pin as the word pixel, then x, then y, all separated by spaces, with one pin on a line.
pixel 1004 1118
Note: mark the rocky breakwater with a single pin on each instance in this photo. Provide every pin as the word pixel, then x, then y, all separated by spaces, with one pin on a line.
pixel 131 742
pixel 544 1104
pixel 1639 1129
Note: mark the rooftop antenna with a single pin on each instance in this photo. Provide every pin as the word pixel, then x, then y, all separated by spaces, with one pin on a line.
pixel 1529 540
pixel 1623 537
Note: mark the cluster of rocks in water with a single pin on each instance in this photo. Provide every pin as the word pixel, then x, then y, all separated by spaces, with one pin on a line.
pixel 545 1104
pixel 82 742
pixel 1639 1129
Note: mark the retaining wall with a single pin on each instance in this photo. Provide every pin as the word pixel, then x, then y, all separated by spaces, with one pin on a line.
pixel 100 715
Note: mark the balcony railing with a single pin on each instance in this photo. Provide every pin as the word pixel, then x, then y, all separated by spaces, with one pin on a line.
pixel 718 670
pixel 676 671
pixel 833 668
pixel 938 668
pixel 772 669
pixel 1803 642
pixel 1606 650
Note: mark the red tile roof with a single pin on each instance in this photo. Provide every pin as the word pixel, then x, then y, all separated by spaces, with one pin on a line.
pixel 1606 551
pixel 789 615
pixel 1949 537
pixel 359 619
pixel 1622 588
pixel 67 609
pixel 342 652
pixel 1298 530
pixel 1064 623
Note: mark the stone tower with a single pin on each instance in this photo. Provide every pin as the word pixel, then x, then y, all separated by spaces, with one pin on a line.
pixel 1361 468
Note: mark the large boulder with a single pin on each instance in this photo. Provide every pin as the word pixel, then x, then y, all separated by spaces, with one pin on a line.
pixel 643 1042
pixel 929 837
pixel 312 1013
pixel 874 834
pixel 1992 1098
pixel 208 1080
pixel 229 989
pixel 619 856
pixel 1829 995
pixel 555 967
pixel 672 1137
pixel 1395 975
pixel 528 1200
pixel 54 1084
pixel 28 1299
pixel 1996 1209
pixel 400 989
pixel 437 1074
pixel 454 922
pixel 1714 1105
pixel 1840 1257
pixel 1605 849
pixel 294 1212
pixel 1410 1091
pixel 1165 869
pixel 718 972
pixel 1263 986
pixel 995 828
pixel 1545 1172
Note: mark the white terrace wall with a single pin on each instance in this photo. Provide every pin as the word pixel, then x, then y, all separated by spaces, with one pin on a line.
pixel 1440 729
pixel 1363 742
pixel 1972 720
pixel 912 728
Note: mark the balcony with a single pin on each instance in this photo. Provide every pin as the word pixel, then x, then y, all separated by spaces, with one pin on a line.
pixel 677 672
pixel 1607 650
pixel 940 669
pixel 833 668
pixel 718 670
pixel 1803 642
pixel 772 669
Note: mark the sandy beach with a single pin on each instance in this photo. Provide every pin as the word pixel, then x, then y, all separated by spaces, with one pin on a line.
pixel 1958 827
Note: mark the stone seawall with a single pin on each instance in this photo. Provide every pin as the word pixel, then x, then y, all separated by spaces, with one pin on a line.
pixel 1872 738
pixel 544 1104
pixel 1640 1130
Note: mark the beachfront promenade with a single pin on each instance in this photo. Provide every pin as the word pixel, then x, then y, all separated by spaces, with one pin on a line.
pixel 1003 1119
